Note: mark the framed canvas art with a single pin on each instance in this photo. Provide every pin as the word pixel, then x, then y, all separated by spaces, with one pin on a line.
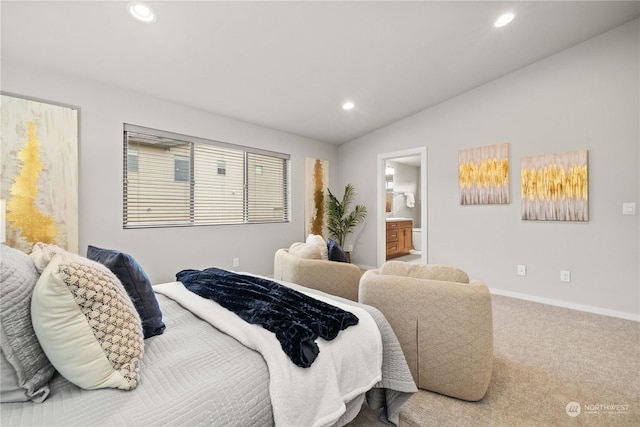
pixel 555 187
pixel 39 149
pixel 483 175
pixel 316 183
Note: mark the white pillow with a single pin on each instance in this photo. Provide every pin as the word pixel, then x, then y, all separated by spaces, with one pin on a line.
pixel 302 250
pixel 85 322
pixel 320 243
pixel 41 254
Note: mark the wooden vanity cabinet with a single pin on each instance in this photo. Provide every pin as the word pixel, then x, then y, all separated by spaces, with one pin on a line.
pixel 399 238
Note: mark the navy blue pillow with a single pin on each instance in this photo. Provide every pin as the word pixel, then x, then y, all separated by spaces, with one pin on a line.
pixel 137 284
pixel 335 251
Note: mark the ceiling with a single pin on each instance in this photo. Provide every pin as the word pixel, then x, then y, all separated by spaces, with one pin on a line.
pixel 291 65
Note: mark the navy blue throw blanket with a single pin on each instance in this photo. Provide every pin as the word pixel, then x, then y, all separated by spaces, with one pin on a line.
pixel 295 318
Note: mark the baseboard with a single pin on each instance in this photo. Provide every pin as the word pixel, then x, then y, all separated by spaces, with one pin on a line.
pixel 572 306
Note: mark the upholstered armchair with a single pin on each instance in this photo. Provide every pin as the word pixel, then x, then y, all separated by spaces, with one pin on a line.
pixel 443 322
pixel 336 278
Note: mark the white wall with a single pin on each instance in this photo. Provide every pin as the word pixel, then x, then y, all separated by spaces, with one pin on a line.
pixel 586 97
pixel 164 251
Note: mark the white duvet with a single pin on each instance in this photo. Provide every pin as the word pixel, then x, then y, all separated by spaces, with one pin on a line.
pixel 346 367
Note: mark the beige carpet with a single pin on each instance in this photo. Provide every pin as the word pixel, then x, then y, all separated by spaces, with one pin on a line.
pixel 546 358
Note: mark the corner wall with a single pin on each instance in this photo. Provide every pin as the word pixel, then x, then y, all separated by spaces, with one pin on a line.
pixel 164 251
pixel 586 97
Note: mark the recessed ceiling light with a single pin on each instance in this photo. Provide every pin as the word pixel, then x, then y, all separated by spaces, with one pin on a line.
pixel 348 105
pixel 141 11
pixel 504 19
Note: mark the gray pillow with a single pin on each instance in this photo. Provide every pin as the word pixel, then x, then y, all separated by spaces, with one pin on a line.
pixel 25 369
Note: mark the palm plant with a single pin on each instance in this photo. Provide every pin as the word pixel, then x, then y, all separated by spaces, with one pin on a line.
pixel 339 222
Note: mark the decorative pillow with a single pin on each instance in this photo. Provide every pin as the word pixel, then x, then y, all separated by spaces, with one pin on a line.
pixel 424 271
pixel 302 250
pixel 137 284
pixel 41 254
pixel 25 369
pixel 336 253
pixel 86 323
pixel 316 240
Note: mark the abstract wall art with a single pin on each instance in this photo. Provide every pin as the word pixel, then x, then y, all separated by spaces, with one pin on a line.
pixel 483 175
pixel 316 183
pixel 39 157
pixel 555 187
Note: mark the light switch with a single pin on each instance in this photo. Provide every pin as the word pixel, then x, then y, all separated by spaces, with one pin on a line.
pixel 629 208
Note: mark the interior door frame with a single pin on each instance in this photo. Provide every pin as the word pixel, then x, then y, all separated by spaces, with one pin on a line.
pixel 381 232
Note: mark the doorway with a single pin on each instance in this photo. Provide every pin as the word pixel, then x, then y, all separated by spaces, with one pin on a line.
pixel 386 191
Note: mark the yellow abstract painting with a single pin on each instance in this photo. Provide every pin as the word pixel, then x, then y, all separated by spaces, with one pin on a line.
pixel 39 149
pixel 555 187
pixel 316 183
pixel 483 175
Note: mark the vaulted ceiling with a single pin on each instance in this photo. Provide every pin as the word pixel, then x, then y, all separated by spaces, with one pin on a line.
pixel 291 65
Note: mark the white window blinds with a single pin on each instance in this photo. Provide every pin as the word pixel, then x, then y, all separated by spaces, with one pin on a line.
pixel 178 180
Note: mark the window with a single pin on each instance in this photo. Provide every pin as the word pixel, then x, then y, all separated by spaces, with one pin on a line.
pixel 222 168
pixel 177 180
pixel 132 160
pixel 181 168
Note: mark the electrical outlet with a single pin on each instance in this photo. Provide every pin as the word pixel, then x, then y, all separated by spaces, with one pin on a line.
pixel 565 276
pixel 349 248
pixel 522 270
pixel 236 262
pixel 628 208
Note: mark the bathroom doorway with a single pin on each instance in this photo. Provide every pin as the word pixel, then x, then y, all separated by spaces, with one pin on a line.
pixel 402 195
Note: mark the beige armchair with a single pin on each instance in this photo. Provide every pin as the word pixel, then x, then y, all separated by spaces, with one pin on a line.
pixel 443 322
pixel 336 278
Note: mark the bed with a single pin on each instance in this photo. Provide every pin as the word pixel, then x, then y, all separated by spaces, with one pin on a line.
pixel 195 373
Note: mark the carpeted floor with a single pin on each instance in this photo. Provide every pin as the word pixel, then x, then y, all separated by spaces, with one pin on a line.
pixel 546 359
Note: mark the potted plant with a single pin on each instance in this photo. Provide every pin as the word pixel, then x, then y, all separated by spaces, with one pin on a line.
pixel 340 222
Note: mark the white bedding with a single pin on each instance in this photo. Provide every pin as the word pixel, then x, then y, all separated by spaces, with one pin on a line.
pixel 195 375
pixel 346 367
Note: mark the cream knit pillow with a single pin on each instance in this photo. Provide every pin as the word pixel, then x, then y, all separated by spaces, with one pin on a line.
pixel 85 322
